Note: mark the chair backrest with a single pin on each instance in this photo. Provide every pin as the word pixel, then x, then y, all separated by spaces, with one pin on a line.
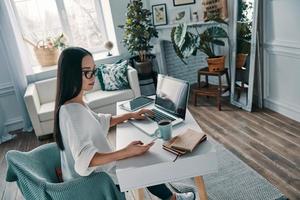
pixel 38 164
pixel 34 172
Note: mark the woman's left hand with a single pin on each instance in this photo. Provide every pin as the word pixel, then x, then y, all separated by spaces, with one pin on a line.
pixel 141 114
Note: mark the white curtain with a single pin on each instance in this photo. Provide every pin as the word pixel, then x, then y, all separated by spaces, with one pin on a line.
pixel 17 57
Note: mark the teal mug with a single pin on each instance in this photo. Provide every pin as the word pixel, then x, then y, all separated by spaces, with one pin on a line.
pixel 164 130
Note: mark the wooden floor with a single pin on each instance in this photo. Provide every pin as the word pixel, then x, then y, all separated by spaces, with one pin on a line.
pixel 267 141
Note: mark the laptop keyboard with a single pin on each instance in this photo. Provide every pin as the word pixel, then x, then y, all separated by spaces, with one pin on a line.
pixel 158 116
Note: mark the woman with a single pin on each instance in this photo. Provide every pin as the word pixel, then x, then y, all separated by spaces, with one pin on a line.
pixel 81 134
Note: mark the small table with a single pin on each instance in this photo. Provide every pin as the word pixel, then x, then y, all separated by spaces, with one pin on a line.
pixel 157 166
pixel 206 89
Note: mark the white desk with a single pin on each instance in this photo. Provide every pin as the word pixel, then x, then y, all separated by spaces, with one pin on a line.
pixel 157 166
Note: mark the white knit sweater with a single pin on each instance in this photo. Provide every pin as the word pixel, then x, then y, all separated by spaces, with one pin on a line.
pixel 84 133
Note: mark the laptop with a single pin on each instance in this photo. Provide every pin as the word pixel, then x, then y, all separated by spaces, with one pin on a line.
pixel 170 103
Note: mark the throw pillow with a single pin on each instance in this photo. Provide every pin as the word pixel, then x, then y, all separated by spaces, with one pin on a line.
pixel 113 76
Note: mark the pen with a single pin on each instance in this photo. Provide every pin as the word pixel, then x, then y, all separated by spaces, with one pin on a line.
pixel 154 139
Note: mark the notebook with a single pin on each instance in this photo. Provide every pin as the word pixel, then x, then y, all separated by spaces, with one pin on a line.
pixel 167 146
pixel 185 142
pixel 188 140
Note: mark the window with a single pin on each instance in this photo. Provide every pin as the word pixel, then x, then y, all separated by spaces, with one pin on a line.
pixel 82 21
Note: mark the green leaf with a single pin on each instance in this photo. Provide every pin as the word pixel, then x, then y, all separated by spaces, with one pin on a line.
pixel 177 50
pixel 189 45
pixel 216 32
pixel 195 52
pixel 179 34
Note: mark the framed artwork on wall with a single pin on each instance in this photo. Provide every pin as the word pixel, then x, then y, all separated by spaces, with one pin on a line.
pixel 215 8
pixel 159 13
pixel 183 2
pixel 180 15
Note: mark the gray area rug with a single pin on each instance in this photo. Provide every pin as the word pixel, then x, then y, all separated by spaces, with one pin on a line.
pixel 235 180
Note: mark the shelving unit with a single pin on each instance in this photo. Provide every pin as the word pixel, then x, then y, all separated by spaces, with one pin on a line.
pixel 189 24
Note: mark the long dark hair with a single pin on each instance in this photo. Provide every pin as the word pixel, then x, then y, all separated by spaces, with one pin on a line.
pixel 69 83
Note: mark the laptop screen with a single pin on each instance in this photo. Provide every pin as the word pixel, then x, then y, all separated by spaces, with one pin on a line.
pixel 172 95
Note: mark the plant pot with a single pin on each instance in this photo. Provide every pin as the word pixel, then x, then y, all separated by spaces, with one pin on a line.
pixel 240 60
pixel 143 68
pixel 46 56
pixel 216 64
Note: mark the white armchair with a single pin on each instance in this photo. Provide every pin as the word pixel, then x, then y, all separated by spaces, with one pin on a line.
pixel 40 99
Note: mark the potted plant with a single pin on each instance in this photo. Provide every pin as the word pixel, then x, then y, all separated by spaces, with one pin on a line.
pixel 186 43
pixel 47 51
pixel 138 31
pixel 244 25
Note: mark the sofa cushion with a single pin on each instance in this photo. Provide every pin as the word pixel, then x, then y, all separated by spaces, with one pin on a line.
pixel 46 111
pixel 113 76
pixel 101 98
pixel 94 99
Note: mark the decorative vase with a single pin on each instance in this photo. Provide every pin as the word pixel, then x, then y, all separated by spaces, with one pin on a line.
pixel 216 64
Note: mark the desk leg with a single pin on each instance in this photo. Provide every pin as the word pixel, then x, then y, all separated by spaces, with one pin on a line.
pixel 139 194
pixel 201 187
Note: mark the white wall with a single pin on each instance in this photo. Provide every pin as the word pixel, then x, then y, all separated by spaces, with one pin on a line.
pixel 9 110
pixel 168 61
pixel 118 10
pixel 170 6
pixel 282 57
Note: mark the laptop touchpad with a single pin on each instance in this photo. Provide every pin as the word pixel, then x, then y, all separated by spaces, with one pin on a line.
pixel 146 125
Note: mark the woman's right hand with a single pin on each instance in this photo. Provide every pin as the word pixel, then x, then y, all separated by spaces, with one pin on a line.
pixel 136 148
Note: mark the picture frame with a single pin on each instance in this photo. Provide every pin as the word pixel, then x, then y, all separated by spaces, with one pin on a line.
pixel 180 15
pixel 217 8
pixel 183 2
pixel 159 14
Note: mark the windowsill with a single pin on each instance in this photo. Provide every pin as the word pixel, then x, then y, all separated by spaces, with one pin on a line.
pixel 42 73
pixel 39 69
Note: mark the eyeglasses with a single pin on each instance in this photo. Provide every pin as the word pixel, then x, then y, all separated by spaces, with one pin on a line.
pixel 90 73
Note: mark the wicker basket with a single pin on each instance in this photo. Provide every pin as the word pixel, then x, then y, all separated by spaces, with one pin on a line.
pixel 216 64
pixel 46 56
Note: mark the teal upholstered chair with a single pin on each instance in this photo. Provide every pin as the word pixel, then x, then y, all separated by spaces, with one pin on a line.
pixel 35 174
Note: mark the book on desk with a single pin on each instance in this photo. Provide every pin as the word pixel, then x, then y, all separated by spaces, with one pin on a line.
pixel 185 142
